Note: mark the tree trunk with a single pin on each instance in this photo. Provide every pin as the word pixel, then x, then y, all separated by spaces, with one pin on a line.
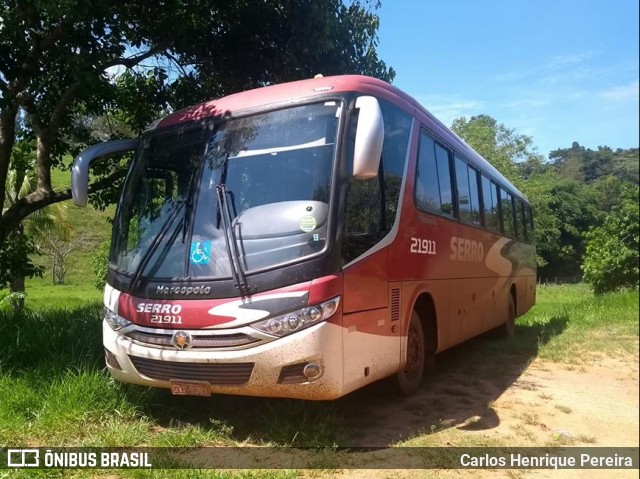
pixel 17 289
pixel 17 286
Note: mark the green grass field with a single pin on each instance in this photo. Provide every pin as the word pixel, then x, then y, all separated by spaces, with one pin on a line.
pixel 90 228
pixel 55 391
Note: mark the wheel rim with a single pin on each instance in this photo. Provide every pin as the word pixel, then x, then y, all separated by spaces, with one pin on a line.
pixel 415 353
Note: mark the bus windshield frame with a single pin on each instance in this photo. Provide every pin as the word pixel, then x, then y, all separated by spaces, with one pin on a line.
pixel 277 170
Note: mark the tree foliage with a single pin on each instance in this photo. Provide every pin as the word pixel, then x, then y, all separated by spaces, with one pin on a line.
pixel 611 260
pixel 589 166
pixel 562 213
pixel 570 194
pixel 503 147
pixel 67 66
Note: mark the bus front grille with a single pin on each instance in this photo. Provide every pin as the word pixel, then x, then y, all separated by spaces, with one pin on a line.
pixel 213 373
pixel 199 341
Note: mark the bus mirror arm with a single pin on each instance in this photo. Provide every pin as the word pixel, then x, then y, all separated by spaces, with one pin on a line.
pixel 369 136
pixel 82 162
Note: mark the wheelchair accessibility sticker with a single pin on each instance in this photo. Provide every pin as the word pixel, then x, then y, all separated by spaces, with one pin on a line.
pixel 200 252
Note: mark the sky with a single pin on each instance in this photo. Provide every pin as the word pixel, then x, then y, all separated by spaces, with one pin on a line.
pixel 557 70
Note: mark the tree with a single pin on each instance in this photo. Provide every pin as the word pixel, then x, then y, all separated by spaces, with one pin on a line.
pixel 59 250
pixel 563 210
pixel 589 166
pixel 59 62
pixel 501 146
pixel 611 259
pixel 40 225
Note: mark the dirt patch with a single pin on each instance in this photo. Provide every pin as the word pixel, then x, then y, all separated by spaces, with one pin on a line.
pixel 541 404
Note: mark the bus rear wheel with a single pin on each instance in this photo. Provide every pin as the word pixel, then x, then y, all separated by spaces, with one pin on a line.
pixel 409 378
pixel 508 329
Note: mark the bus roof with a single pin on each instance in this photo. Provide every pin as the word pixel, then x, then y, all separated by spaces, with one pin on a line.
pixel 297 91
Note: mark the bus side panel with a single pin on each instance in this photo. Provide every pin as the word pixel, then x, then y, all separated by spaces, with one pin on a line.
pixel 371 348
pixel 464 308
pixel 467 271
pixel 366 283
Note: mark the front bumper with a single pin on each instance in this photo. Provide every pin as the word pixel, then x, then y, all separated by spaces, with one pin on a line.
pixel 256 371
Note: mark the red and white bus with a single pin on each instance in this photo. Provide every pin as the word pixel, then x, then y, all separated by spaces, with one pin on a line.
pixel 303 240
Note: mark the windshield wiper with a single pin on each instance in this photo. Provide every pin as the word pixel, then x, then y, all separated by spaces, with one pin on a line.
pixel 235 261
pixel 146 257
pixel 188 207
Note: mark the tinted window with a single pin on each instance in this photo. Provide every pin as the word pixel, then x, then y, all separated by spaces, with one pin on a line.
pixel 462 181
pixel 427 188
pixel 490 200
pixel 397 127
pixel 474 196
pixel 506 209
pixel 444 179
pixel 520 225
pixel 433 177
pixel 468 199
pixel 366 220
pixel 529 222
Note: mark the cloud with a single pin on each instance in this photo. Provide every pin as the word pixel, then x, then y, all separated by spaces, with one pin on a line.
pixel 527 103
pixel 448 108
pixel 622 93
pixel 554 69
pixel 563 60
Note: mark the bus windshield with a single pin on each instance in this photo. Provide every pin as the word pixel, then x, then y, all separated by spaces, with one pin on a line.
pixel 274 172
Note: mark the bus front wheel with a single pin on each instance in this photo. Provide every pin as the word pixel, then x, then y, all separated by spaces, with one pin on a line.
pixel 409 378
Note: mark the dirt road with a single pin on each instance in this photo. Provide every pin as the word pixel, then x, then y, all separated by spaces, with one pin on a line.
pixel 537 404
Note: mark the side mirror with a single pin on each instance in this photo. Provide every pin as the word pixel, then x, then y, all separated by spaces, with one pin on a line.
pixel 369 136
pixel 82 162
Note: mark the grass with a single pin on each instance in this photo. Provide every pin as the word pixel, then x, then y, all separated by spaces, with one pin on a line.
pixel 90 228
pixel 564 409
pixel 55 391
pixel 590 325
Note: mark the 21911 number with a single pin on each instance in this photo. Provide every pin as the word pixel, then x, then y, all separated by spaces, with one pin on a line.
pixel 166 319
pixel 423 246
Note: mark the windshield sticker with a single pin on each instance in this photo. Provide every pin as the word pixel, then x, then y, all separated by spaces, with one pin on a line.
pixel 307 223
pixel 200 252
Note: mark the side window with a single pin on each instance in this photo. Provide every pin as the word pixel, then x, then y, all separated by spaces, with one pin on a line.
pixel 363 212
pixel 444 179
pixel 468 198
pixel 433 177
pixel 397 128
pixel 427 194
pixel 528 219
pixel 372 204
pixel 521 229
pixel 474 196
pixel 462 182
pixel 506 211
pixel 490 200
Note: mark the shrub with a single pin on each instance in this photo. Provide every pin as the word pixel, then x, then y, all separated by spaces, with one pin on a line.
pixel 611 259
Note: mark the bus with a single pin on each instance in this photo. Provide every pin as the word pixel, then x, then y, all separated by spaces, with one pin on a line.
pixel 303 240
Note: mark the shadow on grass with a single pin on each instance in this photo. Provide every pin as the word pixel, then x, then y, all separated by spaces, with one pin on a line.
pixel 36 340
pixel 469 378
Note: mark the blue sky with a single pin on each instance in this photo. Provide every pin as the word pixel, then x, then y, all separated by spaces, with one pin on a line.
pixel 556 70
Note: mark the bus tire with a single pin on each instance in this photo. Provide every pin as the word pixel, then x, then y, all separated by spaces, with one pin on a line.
pixel 508 329
pixel 409 378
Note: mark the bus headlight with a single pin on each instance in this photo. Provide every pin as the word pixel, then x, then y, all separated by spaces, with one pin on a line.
pixel 297 320
pixel 114 320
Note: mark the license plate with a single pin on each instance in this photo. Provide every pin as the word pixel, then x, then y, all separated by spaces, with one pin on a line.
pixel 190 388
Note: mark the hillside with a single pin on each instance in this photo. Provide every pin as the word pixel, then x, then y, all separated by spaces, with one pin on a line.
pixel 90 228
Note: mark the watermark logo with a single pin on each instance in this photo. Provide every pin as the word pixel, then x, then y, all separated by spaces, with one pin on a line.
pixel 23 458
